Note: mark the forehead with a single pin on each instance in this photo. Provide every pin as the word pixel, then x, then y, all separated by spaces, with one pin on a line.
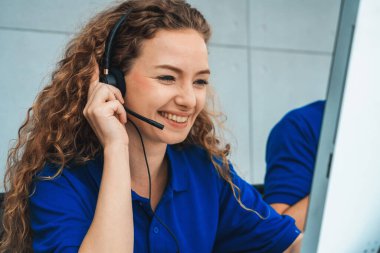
pixel 179 47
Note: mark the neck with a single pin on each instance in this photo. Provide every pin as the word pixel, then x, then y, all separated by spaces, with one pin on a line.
pixel 155 153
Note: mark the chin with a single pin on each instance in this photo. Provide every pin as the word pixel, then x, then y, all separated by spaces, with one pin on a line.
pixel 174 139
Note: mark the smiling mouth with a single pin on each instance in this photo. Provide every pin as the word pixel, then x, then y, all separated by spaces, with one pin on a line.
pixel 175 118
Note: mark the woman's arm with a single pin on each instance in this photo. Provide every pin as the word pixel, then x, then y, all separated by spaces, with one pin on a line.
pixel 112 227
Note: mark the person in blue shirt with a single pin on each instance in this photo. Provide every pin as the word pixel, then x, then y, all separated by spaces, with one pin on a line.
pixel 290 156
pixel 86 176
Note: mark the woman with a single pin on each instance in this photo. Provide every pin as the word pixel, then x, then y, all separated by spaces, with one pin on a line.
pixel 78 176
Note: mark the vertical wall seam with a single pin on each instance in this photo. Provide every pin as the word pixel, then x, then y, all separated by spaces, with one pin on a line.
pixel 250 110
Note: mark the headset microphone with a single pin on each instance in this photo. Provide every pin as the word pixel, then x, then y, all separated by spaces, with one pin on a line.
pixel 149 121
pixel 114 76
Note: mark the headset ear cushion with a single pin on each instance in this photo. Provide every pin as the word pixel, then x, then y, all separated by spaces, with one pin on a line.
pixel 119 81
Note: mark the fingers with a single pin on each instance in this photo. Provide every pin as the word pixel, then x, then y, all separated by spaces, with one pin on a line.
pixel 104 92
pixel 95 85
pixel 105 112
pixel 107 109
pixel 119 111
pixel 117 93
pixel 104 100
pixel 110 108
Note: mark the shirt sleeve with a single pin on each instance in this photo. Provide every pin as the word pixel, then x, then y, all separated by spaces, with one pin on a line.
pixel 58 214
pixel 290 158
pixel 258 230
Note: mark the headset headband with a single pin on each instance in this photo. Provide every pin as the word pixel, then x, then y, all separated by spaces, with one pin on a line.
pixel 109 42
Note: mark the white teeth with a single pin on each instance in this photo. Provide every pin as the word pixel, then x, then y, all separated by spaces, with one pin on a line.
pixel 173 117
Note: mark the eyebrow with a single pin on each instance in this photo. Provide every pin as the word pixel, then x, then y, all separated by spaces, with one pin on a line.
pixel 179 71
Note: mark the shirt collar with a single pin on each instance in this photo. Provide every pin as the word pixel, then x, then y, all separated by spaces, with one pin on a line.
pixel 178 167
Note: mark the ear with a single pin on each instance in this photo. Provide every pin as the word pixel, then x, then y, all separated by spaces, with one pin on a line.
pixel 115 77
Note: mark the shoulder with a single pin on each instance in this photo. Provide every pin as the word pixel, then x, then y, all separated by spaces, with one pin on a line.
pixel 198 159
pixel 203 176
pixel 194 155
pixel 202 167
pixel 72 184
pixel 62 204
pixel 304 123
pixel 192 166
pixel 191 150
pixel 317 106
pixel 312 112
pixel 90 171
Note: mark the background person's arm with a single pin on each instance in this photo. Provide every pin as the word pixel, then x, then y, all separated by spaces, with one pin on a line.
pixel 290 157
pixel 296 245
pixel 297 211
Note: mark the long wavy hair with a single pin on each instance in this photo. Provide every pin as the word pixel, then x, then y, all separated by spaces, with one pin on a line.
pixel 55 130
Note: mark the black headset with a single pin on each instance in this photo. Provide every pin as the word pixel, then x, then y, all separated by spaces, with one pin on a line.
pixel 115 76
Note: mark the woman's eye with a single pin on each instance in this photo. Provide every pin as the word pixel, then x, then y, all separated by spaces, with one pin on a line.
pixel 166 78
pixel 201 82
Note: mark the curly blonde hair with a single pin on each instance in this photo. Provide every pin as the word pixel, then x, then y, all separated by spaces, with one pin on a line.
pixel 55 130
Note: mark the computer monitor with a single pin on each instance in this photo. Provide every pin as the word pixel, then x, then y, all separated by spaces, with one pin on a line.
pixel 344 210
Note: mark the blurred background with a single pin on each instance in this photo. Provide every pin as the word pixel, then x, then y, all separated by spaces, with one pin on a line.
pixel 266 57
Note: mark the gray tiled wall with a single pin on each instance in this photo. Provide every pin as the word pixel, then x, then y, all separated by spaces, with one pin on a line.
pixel 266 56
pixel 301 25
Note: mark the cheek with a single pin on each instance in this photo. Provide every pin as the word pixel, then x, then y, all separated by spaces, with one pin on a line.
pixel 138 84
pixel 201 100
pixel 140 90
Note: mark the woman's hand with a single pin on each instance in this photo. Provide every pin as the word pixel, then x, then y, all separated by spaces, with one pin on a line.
pixel 111 229
pixel 105 112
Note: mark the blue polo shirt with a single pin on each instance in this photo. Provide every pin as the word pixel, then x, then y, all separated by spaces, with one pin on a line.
pixel 290 154
pixel 197 206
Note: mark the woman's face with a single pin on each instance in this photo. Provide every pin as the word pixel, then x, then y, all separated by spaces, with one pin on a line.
pixel 167 83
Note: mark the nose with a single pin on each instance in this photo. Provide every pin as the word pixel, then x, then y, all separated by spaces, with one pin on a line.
pixel 186 96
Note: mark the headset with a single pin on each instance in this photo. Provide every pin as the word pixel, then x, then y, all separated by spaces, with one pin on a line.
pixel 114 76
